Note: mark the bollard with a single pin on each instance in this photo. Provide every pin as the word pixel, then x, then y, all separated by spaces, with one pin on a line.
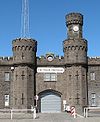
pixel 34 113
pixel 73 111
pixel 86 112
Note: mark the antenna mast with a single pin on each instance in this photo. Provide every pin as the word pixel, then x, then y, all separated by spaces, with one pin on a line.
pixel 25 19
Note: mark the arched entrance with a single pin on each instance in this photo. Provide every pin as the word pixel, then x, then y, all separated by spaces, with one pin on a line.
pixel 50 101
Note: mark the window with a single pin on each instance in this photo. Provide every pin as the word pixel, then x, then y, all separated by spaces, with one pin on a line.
pixel 92 76
pixel 77 75
pixel 93 99
pixel 7 76
pixel 50 77
pixel 6 100
pixel 46 77
pixel 76 57
pixel 53 77
pixel 22 99
pixel 69 77
pixel 23 76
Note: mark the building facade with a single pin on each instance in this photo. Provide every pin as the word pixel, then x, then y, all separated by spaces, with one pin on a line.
pixel 51 82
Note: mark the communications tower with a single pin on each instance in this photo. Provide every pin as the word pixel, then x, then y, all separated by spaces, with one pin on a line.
pixel 25 19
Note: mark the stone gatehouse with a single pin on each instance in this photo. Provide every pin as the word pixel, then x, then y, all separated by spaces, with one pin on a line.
pixel 51 82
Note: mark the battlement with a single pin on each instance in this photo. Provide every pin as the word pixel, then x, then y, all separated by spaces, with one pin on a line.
pixel 74 18
pixel 24 44
pixel 24 39
pixel 43 60
pixel 94 60
pixel 44 57
pixel 75 45
pixel 6 60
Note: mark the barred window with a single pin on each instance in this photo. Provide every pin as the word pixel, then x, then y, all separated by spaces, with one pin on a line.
pixel 93 99
pixel 92 76
pixel 93 95
pixel 6 100
pixel 50 77
pixel 7 76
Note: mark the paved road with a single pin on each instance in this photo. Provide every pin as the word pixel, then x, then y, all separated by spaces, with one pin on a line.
pixel 56 117
pixel 50 117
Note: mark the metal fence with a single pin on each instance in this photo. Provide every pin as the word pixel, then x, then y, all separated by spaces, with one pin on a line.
pixel 95 111
pixel 18 113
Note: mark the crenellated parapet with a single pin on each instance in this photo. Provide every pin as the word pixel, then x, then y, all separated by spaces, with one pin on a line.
pixel 93 60
pixel 75 51
pixel 75 45
pixel 22 45
pixel 74 18
pixel 6 60
pixel 24 51
pixel 46 60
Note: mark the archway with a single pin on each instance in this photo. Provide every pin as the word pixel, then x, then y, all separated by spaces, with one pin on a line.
pixel 50 101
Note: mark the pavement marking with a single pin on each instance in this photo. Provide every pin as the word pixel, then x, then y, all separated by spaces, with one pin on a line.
pixel 80 116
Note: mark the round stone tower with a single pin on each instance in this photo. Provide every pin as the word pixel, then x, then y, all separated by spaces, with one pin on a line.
pixel 75 47
pixel 74 22
pixel 24 51
pixel 24 58
pixel 75 59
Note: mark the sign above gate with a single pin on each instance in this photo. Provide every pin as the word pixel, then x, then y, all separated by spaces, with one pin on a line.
pixel 50 69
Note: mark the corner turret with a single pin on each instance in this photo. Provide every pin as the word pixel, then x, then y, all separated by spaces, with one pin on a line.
pixel 24 51
pixel 75 47
pixel 75 59
pixel 24 57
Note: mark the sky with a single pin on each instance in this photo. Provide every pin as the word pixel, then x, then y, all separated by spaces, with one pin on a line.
pixel 47 24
